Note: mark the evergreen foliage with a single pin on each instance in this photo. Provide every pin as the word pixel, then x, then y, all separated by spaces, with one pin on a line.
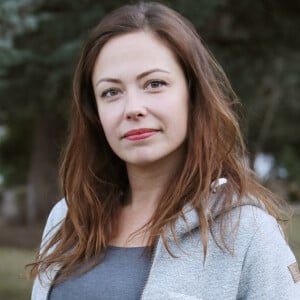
pixel 257 43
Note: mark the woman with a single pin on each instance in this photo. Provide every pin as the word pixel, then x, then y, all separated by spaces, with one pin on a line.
pixel 159 203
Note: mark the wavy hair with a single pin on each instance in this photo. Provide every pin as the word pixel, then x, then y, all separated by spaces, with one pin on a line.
pixel 95 179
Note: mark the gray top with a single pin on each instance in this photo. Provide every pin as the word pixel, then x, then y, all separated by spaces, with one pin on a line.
pixel 122 274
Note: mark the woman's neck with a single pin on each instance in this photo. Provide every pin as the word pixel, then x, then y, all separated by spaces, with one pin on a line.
pixel 148 182
pixel 146 185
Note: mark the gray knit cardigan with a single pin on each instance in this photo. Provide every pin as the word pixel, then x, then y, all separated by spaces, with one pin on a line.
pixel 261 265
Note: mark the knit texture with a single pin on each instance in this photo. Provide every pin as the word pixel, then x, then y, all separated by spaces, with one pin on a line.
pixel 257 268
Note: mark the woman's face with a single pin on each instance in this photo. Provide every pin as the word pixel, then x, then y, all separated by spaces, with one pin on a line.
pixel 142 99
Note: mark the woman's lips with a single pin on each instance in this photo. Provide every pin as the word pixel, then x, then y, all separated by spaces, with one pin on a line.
pixel 140 134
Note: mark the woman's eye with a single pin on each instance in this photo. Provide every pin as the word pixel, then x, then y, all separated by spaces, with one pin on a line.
pixel 155 84
pixel 109 93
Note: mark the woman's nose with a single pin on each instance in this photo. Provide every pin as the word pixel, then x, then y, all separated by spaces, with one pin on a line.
pixel 135 106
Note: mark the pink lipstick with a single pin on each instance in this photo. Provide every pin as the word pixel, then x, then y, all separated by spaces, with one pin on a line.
pixel 139 134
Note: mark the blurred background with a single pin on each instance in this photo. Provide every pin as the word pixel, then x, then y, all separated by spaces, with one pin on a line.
pixel 256 42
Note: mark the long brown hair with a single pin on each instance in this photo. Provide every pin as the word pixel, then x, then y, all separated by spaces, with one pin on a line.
pixel 95 179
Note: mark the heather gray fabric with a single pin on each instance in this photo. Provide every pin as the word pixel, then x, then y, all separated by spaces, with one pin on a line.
pixel 121 275
pixel 258 268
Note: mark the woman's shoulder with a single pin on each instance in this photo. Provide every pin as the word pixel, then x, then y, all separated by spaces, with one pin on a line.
pixel 56 216
pixel 58 212
pixel 249 224
pixel 268 259
pixel 59 209
pixel 262 236
pixel 250 220
pixel 254 215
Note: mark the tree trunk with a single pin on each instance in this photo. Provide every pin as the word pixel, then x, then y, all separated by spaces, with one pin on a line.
pixel 270 94
pixel 43 184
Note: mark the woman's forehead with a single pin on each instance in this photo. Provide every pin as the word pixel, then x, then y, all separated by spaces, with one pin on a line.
pixel 134 52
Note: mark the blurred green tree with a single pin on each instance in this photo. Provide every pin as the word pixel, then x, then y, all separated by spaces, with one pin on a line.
pixel 256 42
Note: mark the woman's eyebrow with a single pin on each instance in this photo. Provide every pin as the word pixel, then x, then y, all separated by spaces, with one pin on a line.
pixel 144 74
pixel 108 79
pixel 140 76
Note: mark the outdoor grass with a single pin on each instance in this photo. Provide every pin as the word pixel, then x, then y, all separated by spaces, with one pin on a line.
pixel 14 286
pixel 294 236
